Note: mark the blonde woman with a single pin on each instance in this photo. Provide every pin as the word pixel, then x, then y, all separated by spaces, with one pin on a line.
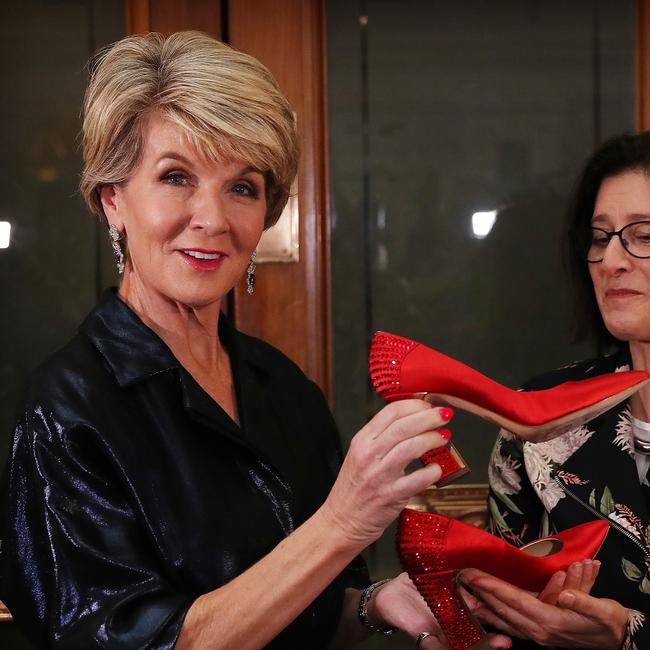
pixel 173 482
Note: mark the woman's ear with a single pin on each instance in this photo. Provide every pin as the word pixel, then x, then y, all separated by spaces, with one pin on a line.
pixel 108 195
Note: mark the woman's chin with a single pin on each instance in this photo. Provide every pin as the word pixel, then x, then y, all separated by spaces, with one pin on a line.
pixel 629 332
pixel 199 300
pixel 193 297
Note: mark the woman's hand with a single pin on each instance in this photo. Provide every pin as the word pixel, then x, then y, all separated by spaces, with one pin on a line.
pixel 579 576
pixel 399 604
pixel 568 617
pixel 372 487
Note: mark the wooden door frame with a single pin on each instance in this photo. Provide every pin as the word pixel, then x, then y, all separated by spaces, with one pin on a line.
pixel 292 310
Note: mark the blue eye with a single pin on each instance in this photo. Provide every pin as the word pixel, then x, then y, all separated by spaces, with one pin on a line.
pixel 175 178
pixel 244 189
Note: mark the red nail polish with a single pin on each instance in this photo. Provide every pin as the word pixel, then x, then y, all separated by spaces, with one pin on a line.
pixel 445 434
pixel 446 414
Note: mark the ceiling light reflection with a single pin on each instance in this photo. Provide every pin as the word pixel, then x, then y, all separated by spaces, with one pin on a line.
pixel 5 231
pixel 482 223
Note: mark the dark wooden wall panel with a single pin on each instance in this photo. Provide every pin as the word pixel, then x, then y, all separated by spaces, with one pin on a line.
pixel 173 16
pixel 643 65
pixel 290 307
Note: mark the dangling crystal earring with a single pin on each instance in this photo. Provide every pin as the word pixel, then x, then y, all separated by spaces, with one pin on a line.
pixel 118 253
pixel 250 274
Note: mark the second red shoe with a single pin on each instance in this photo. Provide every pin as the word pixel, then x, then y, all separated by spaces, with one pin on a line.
pixel 433 548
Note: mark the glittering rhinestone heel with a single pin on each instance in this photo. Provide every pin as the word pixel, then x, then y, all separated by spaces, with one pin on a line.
pixel 440 592
pixel 451 463
pixel 401 368
pixel 433 548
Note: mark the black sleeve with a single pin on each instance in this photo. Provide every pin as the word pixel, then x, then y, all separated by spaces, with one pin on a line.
pixel 356 573
pixel 75 567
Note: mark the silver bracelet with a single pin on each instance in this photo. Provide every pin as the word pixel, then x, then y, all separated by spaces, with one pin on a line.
pixel 362 612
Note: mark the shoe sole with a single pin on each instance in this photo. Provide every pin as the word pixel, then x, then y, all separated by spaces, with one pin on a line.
pixel 531 433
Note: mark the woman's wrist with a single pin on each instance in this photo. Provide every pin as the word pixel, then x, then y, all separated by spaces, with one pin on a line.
pixel 339 528
pixel 366 611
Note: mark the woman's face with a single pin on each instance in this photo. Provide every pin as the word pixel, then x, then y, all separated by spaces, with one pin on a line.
pixel 191 225
pixel 622 282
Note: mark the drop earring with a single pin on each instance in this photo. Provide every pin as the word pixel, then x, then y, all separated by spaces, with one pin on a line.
pixel 118 253
pixel 250 274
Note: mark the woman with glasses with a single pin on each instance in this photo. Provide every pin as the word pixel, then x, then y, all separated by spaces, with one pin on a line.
pixel 599 469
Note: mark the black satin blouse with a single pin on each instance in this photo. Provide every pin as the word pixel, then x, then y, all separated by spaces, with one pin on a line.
pixel 129 492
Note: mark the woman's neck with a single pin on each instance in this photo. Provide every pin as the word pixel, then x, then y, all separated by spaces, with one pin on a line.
pixel 191 333
pixel 640 402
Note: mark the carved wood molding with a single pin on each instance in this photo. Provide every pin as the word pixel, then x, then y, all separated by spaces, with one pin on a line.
pixel 466 502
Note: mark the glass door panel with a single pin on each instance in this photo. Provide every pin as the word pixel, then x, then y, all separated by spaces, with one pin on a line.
pixel 441 112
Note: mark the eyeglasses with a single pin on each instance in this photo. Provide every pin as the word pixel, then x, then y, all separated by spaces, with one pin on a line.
pixel 635 238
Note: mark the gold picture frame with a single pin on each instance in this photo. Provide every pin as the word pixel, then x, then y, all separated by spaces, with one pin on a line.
pixel 281 242
pixel 466 502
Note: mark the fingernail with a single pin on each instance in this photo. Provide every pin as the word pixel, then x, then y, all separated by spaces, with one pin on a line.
pixel 446 414
pixel 445 434
pixel 568 597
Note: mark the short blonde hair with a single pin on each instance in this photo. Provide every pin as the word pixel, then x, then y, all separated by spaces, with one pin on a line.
pixel 227 102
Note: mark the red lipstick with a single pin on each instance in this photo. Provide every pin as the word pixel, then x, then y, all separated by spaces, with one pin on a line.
pixel 621 293
pixel 202 259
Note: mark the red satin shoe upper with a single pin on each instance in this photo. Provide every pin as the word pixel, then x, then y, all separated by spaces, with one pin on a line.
pixel 431 543
pixel 400 368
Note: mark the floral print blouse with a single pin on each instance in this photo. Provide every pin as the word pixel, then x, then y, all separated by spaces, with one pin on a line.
pixel 588 472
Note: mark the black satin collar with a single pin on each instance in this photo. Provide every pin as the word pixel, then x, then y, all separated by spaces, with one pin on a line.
pixel 117 331
pixel 135 353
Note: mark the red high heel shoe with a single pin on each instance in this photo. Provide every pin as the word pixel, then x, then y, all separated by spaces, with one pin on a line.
pixel 433 548
pixel 401 368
